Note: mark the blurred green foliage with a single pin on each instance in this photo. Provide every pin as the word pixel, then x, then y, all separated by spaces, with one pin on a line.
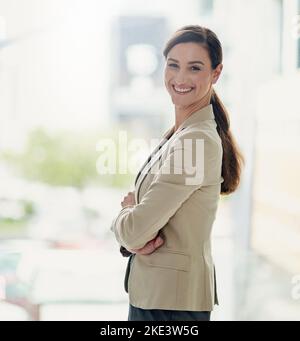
pixel 64 159
pixel 16 222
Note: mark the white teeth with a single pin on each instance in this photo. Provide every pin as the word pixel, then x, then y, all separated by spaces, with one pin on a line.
pixel 183 90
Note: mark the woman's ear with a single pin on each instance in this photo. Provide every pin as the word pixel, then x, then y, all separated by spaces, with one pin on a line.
pixel 216 73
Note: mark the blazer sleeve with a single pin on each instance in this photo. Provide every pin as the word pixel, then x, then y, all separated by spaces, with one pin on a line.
pixel 171 187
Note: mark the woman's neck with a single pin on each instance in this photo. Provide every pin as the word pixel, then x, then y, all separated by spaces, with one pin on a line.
pixel 182 113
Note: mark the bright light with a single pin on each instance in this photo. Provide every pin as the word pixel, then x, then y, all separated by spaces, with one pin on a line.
pixel 141 59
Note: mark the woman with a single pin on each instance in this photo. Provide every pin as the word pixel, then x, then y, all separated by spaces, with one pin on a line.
pixel 165 224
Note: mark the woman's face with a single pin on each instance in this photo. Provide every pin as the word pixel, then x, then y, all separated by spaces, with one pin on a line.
pixel 188 73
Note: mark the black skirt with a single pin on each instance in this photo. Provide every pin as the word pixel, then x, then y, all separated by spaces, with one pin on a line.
pixel 138 314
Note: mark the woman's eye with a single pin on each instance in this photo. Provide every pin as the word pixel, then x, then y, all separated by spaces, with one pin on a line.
pixel 194 68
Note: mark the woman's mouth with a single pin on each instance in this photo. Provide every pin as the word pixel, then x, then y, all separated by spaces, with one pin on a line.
pixel 182 91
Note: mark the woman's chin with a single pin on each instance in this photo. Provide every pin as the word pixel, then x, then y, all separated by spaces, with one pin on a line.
pixel 180 102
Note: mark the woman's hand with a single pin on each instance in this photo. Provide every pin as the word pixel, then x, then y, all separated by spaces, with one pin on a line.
pixel 150 247
pixel 128 200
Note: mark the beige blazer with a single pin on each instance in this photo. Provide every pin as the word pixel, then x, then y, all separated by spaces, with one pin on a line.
pixel 179 275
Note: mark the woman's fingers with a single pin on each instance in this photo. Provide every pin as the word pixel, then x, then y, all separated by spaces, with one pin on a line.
pixel 129 199
pixel 158 242
pixel 150 247
pixel 147 249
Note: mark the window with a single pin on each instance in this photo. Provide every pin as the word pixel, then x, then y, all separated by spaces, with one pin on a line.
pixel 206 7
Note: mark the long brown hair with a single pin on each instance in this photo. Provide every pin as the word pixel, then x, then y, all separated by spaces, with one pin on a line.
pixel 232 157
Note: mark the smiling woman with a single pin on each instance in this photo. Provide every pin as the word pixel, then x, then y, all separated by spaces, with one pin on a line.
pixel 194 59
pixel 165 225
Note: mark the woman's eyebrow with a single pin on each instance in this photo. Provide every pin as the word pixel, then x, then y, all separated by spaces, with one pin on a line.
pixel 191 62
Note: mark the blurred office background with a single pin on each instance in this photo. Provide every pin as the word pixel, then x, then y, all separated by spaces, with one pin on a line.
pixel 74 72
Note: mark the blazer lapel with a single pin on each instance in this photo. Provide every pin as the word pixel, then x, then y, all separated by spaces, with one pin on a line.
pixel 162 141
pixel 146 167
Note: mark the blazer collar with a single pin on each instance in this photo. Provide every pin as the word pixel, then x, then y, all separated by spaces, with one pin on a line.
pixel 203 114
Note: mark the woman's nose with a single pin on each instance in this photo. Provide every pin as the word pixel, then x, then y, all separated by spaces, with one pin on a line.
pixel 180 78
